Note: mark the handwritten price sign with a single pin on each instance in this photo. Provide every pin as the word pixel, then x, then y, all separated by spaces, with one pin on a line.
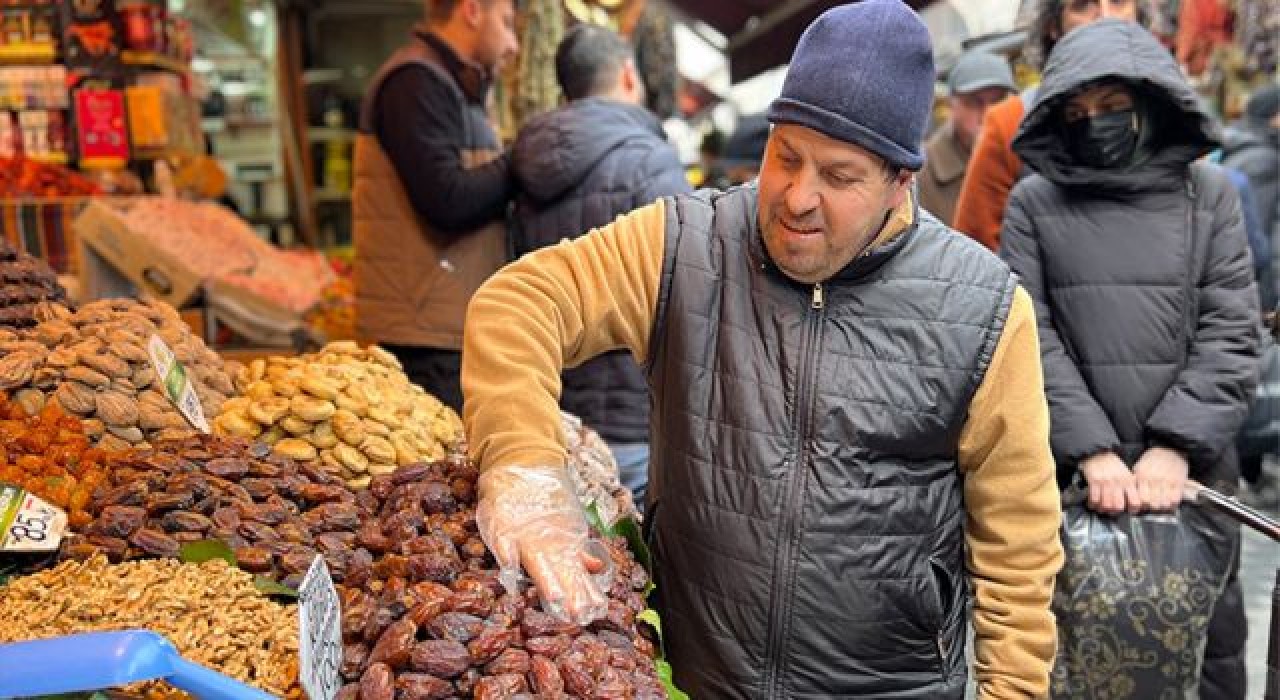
pixel 319 633
pixel 28 524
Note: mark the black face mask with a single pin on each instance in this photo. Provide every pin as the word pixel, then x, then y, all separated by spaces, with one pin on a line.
pixel 1105 141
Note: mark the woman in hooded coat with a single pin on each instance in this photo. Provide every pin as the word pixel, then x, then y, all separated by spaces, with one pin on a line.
pixel 1136 257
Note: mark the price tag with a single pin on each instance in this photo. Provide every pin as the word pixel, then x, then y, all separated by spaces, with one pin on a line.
pixel 27 523
pixel 176 384
pixel 319 633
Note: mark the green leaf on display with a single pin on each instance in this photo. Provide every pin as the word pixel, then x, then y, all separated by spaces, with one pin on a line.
pixel 630 529
pixel 650 618
pixel 206 550
pixel 269 587
pixel 595 521
pixel 668 683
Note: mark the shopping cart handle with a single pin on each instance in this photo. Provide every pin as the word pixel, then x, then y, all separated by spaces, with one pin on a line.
pixel 100 660
pixel 1199 494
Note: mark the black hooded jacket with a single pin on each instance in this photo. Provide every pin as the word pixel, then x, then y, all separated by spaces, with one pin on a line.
pixel 1141 275
pixel 580 167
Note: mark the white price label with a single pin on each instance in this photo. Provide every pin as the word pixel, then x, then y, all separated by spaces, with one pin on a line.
pixel 319 633
pixel 27 523
pixel 176 384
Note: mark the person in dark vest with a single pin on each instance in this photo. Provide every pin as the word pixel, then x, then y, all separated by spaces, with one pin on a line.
pixel 850 458
pixel 1136 256
pixel 580 167
pixel 431 189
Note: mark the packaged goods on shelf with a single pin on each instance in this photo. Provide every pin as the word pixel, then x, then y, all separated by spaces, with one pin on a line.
pixel 94 363
pixel 352 408
pixel 25 282
pixel 211 612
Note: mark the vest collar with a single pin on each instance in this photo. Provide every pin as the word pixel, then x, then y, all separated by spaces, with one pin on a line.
pixel 472 78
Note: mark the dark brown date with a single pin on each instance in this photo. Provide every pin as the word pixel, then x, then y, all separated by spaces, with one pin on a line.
pixel 333 516
pixel 355 616
pixel 133 493
pixel 500 687
pixel 474 548
pixel 509 661
pixel 297 559
pixel 395 644
pixel 460 627
pixel 231 468
pixel 292 532
pixel 265 513
pixel 353 661
pixel 350 691
pixel 440 657
pixel 488 644
pixel 377 623
pixel 437 498
pixel 420 686
pixel 576 675
pixel 226 517
pixel 119 521
pixel 260 489
pixel 478 603
pixel 185 521
pixel 551 647
pixel 391 566
pixel 155 543
pixel 433 567
pixel 316 494
pixel 254 559
pixel 377 683
pixel 466 683
pixel 545 676
pixel 372 538
pixel 539 624
pixel 410 474
pixel 256 532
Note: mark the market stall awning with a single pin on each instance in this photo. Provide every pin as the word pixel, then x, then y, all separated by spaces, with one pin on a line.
pixel 762 33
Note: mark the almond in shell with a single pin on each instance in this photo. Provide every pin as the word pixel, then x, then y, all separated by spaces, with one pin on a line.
pixel 88 377
pixel 16 369
pixel 46 378
pixel 63 358
pixel 76 398
pixel 117 410
pixel 30 400
pixel 107 364
pixel 130 434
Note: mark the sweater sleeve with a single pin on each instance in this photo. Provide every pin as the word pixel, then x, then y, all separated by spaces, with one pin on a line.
pixel 421 123
pixel 1080 427
pixel 554 308
pixel 991 174
pixel 1204 408
pixel 1014 513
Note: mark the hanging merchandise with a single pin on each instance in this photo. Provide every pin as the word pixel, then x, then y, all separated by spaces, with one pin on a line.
pixel 91 36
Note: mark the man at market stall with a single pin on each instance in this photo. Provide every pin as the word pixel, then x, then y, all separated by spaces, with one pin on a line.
pixel 849 428
pixel 579 167
pixel 431 188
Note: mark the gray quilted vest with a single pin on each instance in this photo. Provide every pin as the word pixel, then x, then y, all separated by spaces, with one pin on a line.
pixel 808 522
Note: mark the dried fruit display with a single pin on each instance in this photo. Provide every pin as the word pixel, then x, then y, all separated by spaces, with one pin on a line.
pixel 48 454
pixel 594 471
pixel 351 408
pixel 425 616
pixel 93 362
pixel 23 177
pixel 211 612
pixel 274 513
pixel 25 281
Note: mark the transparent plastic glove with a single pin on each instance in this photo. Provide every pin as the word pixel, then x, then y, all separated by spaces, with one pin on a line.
pixel 530 517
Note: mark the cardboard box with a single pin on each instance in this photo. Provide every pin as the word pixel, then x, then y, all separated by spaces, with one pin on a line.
pixel 102 229
pixel 254 318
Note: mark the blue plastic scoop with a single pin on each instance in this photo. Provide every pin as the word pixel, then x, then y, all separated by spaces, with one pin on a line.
pixel 100 660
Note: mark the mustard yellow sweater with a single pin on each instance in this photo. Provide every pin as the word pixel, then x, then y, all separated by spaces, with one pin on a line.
pixel 567 303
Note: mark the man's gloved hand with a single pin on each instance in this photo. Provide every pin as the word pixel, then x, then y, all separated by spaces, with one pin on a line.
pixel 531 517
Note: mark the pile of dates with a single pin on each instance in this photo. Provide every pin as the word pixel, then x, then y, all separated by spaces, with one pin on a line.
pixel 25 281
pixel 274 513
pixel 429 618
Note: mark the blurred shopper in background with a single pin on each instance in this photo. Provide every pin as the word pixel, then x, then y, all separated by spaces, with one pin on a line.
pixel 431 189
pixel 1136 257
pixel 580 167
pixel 994 168
pixel 978 80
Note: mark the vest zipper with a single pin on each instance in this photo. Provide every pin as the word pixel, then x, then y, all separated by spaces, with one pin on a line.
pixel 793 500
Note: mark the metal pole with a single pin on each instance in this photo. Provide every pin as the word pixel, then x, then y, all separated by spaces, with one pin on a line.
pixel 1273 645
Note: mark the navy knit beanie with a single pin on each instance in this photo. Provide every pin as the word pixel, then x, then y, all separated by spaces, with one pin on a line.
pixel 863 74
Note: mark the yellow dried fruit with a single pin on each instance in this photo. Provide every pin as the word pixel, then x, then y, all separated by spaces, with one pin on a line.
pixel 236 403
pixel 116 409
pixel 385 416
pixel 272 435
pixel 76 398
pixel 376 428
pixel 352 404
pixel 237 424
pixel 378 449
pixel 323 436
pixel 270 410
pixel 406 451
pixel 256 370
pixel 385 358
pixel 348 427
pixel 351 458
pixel 361 482
pixel 377 469
pixel 295 426
pixel 319 388
pixel 295 448
pixel 260 390
pixel 311 409
pixel 88 377
pixel 16 369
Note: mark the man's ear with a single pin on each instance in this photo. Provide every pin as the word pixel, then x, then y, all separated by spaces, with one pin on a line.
pixel 472 13
pixel 629 80
pixel 899 186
